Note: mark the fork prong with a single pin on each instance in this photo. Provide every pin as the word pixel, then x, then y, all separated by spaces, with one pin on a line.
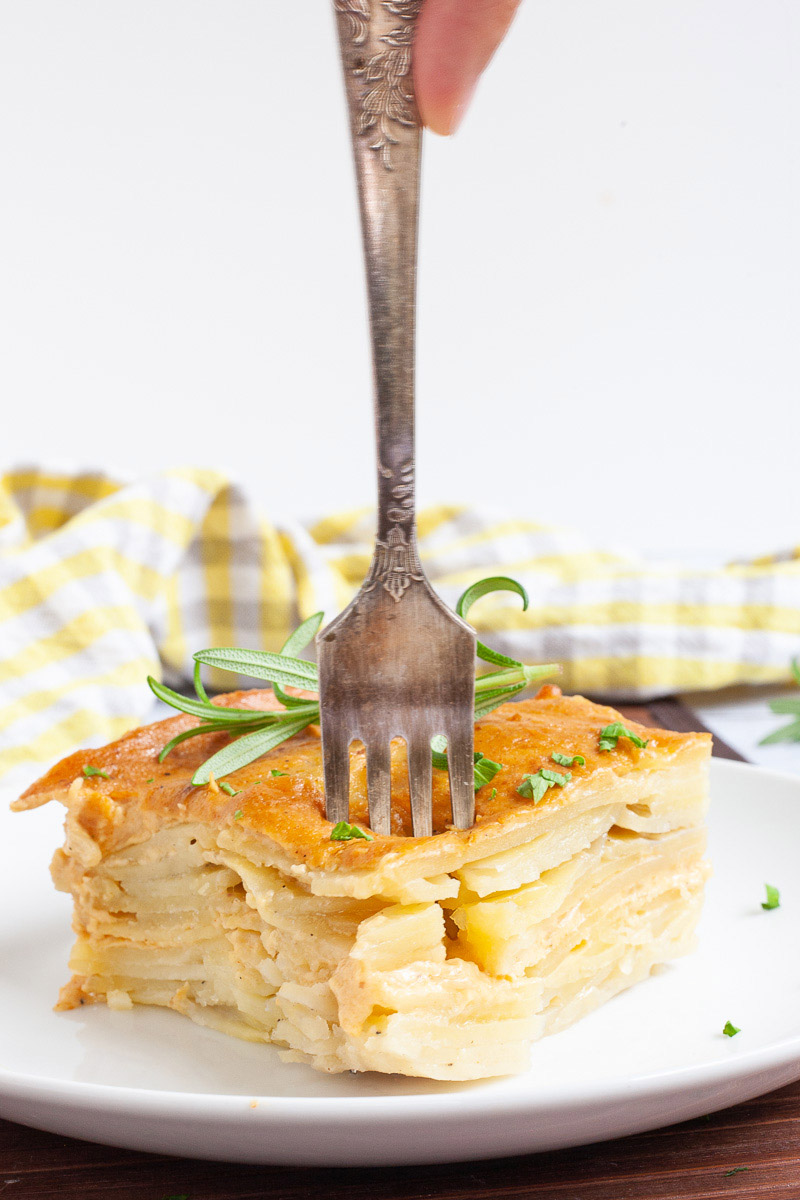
pixel 336 769
pixel 379 787
pixel 420 783
pixel 462 777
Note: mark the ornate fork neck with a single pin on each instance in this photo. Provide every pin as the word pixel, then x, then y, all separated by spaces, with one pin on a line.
pixel 376 38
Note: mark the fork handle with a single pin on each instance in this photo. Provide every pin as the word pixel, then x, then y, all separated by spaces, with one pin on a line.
pixel 376 39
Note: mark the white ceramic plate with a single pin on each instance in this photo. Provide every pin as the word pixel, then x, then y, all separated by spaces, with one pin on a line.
pixel 151 1080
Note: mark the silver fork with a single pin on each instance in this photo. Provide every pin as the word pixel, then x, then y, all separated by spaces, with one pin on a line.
pixel 397 662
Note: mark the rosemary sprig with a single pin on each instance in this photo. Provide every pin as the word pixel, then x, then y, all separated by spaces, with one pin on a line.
pixel 784 705
pixel 256 732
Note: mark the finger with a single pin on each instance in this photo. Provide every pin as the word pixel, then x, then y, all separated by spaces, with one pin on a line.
pixel 454 42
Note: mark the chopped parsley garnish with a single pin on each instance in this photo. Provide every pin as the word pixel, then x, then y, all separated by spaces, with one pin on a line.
pixel 535 787
pixel 226 787
pixel 90 771
pixel 773 899
pixel 730 1030
pixel 237 816
pixel 568 760
pixel 485 770
pixel 152 779
pixel 610 735
pixel 494 793
pixel 343 832
pixel 555 777
pixel 735 1170
pixel 275 773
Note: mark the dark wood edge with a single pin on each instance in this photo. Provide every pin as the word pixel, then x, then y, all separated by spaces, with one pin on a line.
pixel 672 713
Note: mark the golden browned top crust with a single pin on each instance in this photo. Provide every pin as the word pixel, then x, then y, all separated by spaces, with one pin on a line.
pixel 142 795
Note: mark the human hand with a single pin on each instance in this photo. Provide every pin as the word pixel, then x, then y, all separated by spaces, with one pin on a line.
pixel 454 42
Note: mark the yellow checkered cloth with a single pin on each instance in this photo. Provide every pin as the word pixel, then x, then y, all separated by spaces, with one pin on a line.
pixel 103 582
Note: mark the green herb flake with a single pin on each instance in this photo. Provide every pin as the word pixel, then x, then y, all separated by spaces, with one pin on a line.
pixel 535 787
pixel 152 779
pixel 90 771
pixel 610 735
pixel 735 1171
pixel 494 793
pixel 555 777
pixel 276 774
pixel 773 899
pixel 226 787
pixel 730 1030
pixel 237 816
pixel 343 832
pixel 568 760
pixel 485 770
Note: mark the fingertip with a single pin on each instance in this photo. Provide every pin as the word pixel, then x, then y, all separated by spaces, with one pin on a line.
pixel 444 120
pixel 436 78
pixel 443 111
pixel 454 42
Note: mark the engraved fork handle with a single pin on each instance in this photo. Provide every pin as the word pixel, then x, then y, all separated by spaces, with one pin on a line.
pixel 376 39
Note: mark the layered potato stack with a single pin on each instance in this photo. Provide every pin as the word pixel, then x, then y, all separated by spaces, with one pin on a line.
pixel 444 957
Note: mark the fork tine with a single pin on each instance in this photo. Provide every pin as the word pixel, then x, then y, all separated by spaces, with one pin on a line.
pixel 336 768
pixel 420 772
pixel 462 776
pixel 379 787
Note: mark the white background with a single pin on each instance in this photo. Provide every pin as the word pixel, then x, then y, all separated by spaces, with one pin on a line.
pixel 609 302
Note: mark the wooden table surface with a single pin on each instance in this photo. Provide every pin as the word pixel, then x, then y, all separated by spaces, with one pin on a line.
pixel 750 1152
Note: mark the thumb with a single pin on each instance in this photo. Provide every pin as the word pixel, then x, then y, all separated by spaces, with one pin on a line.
pixel 454 42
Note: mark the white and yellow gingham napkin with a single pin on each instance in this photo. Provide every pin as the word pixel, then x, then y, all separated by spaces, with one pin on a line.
pixel 102 583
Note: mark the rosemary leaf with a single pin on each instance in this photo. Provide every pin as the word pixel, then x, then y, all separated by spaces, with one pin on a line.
pixel 483 708
pixel 262 664
pixel 246 749
pixel 514 675
pixel 786 704
pixel 195 731
pixel 303 636
pixel 786 733
pixel 496 583
pixel 198 685
pixel 198 708
pixel 790 705
pixel 294 645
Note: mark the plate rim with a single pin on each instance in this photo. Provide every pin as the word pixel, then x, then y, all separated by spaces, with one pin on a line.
pixel 138 1101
